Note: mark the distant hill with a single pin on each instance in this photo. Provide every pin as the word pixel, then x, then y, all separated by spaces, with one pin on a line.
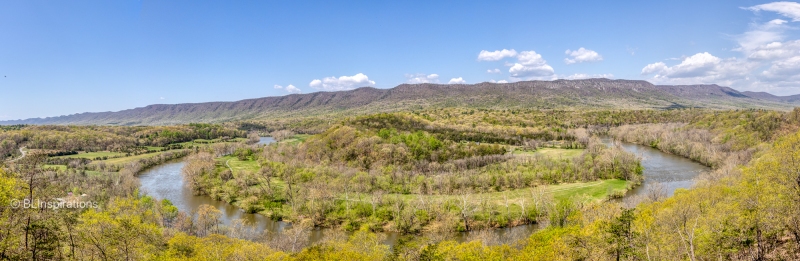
pixel 558 94
pixel 769 97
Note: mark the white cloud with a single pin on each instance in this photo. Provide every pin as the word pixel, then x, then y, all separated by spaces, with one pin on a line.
pixel 160 98
pixel 458 80
pixel 289 89
pixel 341 83
pixel 778 22
pixel 695 65
pixel 582 55
pixel 500 81
pixel 701 68
pixel 496 55
pixel 788 9
pixel 422 78
pixel 493 70
pixel 579 76
pixel 654 67
pixel 292 89
pixel 761 34
pixel 768 61
pixel 530 65
pixel 531 72
pixel 766 45
pixel 530 58
pixel 784 69
pixel 775 50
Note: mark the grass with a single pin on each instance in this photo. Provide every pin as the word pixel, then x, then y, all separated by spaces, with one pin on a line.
pixel 513 199
pixel 57 167
pixel 247 165
pixel 239 165
pixel 594 191
pixel 205 142
pixel 218 140
pixel 120 158
pixel 124 160
pixel 64 168
pixel 552 153
pixel 597 190
pixel 93 155
pixel 296 139
pixel 589 191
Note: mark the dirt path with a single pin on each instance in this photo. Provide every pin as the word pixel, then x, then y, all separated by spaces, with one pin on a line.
pixel 21 150
pixel 229 166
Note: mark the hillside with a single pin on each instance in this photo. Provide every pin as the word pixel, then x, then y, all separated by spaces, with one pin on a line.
pixel 769 97
pixel 558 94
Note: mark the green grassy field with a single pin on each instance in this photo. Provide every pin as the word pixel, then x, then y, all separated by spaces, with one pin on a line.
pixel 595 191
pixel 550 152
pixel 218 140
pixel 590 191
pixel 93 155
pixel 124 160
pixel 238 165
pixel 120 158
pixel 205 142
pixel 57 167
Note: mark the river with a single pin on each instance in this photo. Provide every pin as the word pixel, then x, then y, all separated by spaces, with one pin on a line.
pixel 671 171
pixel 165 181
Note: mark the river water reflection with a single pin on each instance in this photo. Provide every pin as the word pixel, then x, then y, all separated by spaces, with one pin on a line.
pixel 165 182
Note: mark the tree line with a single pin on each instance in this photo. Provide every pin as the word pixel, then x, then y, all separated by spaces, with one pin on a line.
pixel 106 138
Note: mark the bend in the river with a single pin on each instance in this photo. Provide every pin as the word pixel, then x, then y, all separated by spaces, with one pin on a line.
pixel 165 181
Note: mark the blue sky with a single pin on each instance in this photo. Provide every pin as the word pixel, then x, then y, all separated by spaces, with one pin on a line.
pixel 65 57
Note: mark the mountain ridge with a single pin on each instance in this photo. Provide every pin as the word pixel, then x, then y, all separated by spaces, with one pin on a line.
pixel 770 97
pixel 557 94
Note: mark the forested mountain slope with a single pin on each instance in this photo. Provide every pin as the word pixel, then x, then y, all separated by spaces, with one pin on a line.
pixel 558 94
